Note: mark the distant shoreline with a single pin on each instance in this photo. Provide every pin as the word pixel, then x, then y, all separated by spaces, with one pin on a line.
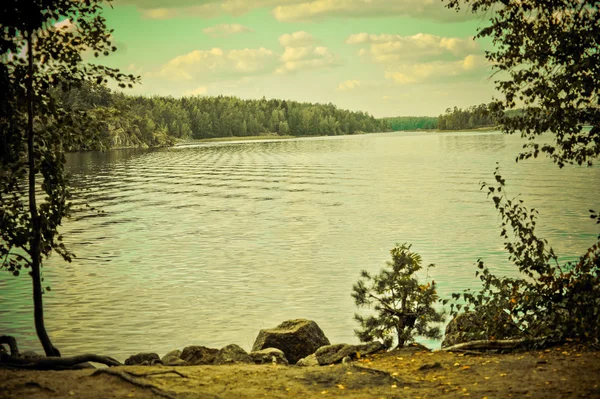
pixel 288 137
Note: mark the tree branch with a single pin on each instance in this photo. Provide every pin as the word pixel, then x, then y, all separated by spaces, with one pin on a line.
pixel 59 363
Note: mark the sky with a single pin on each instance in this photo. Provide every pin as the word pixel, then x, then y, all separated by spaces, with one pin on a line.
pixel 385 57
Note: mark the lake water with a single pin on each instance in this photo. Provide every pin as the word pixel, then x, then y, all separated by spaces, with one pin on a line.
pixel 207 244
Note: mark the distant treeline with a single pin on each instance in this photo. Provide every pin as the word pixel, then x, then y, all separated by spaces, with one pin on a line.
pixel 411 123
pixel 476 116
pixel 138 121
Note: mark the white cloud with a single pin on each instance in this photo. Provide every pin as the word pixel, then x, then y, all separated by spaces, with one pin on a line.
pixel 430 71
pixel 299 10
pixel 301 53
pixel 202 64
pixel 387 48
pixel 224 30
pixel 159 13
pixel 198 91
pixel 200 67
pixel 349 85
pixel 319 9
pixel 297 39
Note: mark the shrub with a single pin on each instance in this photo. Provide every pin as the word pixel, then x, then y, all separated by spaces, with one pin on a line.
pixel 549 299
pixel 404 308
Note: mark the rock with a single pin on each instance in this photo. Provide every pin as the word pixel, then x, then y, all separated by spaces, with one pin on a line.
pixel 197 355
pixel 310 360
pixel 331 354
pixel 269 356
pixel 232 354
pixel 145 359
pixel 296 338
pixel 173 358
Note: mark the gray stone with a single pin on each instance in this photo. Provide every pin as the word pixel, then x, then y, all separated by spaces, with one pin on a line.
pixel 173 358
pixel 269 356
pixel 296 338
pixel 331 354
pixel 145 359
pixel 232 354
pixel 308 361
pixel 198 355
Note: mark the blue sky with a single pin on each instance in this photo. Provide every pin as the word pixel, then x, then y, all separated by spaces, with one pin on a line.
pixel 386 57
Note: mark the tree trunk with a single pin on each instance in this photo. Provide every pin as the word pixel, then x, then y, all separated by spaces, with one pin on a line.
pixel 35 241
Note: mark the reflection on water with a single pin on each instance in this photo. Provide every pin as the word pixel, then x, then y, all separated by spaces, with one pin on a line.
pixel 208 244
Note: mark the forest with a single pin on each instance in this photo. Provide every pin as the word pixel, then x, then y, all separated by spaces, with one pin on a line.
pixel 141 121
pixel 402 123
pixel 474 117
pixel 134 121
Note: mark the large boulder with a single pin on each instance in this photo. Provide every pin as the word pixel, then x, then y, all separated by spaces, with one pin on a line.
pixel 331 354
pixel 198 355
pixel 269 356
pixel 145 359
pixel 296 338
pixel 232 354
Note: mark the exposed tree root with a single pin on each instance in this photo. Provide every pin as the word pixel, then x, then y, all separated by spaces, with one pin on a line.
pixel 152 373
pixel 57 363
pixel 504 344
pixel 130 378
pixel 12 344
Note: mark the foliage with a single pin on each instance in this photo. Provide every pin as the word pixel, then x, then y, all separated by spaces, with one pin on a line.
pixel 474 117
pixel 402 123
pixel 142 120
pixel 37 54
pixel 404 307
pixel 546 53
pixel 549 299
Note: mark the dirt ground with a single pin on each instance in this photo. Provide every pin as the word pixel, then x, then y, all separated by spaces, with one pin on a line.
pixel 567 371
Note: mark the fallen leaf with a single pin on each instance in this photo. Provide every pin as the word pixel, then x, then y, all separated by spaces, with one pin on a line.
pixel 340 386
pixel 466 367
pixel 502 374
pixel 487 378
pixel 457 364
pixel 394 386
pixel 324 392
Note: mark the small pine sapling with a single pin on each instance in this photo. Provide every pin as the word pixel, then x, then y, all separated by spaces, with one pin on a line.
pixel 404 308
